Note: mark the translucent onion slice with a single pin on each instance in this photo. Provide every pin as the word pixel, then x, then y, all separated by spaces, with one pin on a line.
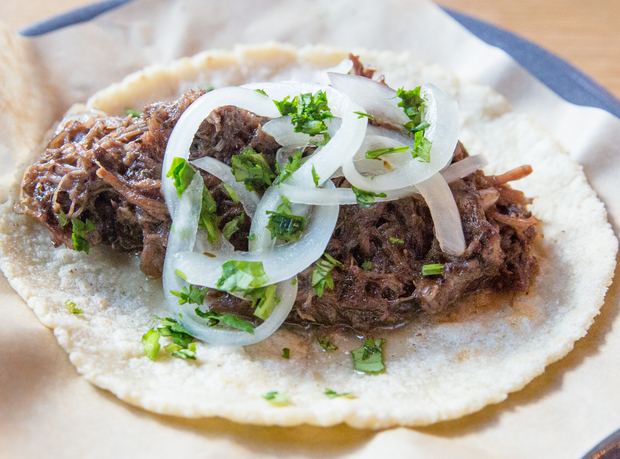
pixel 281 263
pixel 343 66
pixel 343 145
pixel 442 114
pixel 282 130
pixel 249 199
pixel 445 214
pixel 464 167
pixel 377 99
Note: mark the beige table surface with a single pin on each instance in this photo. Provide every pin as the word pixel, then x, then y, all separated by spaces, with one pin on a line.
pixel 586 34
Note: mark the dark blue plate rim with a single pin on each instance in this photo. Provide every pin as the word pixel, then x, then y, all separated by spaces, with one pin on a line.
pixel 565 80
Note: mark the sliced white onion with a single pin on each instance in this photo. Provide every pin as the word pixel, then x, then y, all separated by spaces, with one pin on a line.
pixel 282 130
pixel 377 99
pixel 343 66
pixel 442 114
pixel 464 167
pixel 249 199
pixel 445 213
pixel 343 145
pixel 262 236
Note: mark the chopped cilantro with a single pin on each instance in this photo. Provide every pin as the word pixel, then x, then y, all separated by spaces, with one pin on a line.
pixel 181 274
pixel 215 318
pixel 193 295
pixel 252 169
pixel 232 226
pixel 182 174
pixel 374 154
pixel 267 303
pixel 277 398
pixel 170 327
pixel 321 143
pixel 286 353
pixel 242 275
pixel 432 270
pixel 366 198
pixel 308 112
pixel 294 163
pixel 251 237
pixel 230 192
pixel 362 115
pixel 294 281
pixel 284 225
pixel 367 265
pixel 208 216
pixel 72 307
pixel 395 240
pixel 181 352
pixel 261 91
pixel 369 357
pixel 422 147
pixel 327 345
pixel 413 105
pixel 333 394
pixel 207 88
pixel 62 218
pixel 150 343
pixel 132 112
pixel 322 274
pixel 80 243
pixel 315 176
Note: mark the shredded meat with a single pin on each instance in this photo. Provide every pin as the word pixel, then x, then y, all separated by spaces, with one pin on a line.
pixel 108 169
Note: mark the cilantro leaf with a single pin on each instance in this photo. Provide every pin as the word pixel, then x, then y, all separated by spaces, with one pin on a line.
pixel 215 318
pixel 150 343
pixel 362 115
pixel 182 174
pixel 367 265
pixel 80 243
pixel 181 352
pixel 315 177
pixel 261 91
pixel 286 353
pixel 432 270
pixel 132 112
pixel 62 218
pixel 366 198
pixel 333 394
pixel 208 216
pixel 395 240
pixel 242 275
pixel 284 225
pixel 170 327
pixel 232 226
pixel 327 345
pixel 264 301
pixel 374 154
pixel 322 274
pixel 369 357
pixel 181 274
pixel 252 169
pixel 422 147
pixel 308 112
pixel 193 295
pixel 230 192
pixel 277 398
pixel 72 307
pixel 413 105
pixel 294 163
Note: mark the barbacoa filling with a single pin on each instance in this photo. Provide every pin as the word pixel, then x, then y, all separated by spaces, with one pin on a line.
pixel 108 170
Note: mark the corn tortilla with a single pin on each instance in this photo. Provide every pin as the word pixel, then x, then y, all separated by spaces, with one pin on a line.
pixel 440 368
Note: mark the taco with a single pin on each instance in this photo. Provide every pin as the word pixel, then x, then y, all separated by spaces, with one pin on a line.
pixel 398 324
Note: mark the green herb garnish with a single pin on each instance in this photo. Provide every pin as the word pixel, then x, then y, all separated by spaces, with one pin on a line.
pixel 315 177
pixel 432 270
pixel 233 225
pixel 261 91
pixel 308 112
pixel 208 216
pixel 181 352
pixel 277 398
pixel 362 115
pixel 374 154
pixel 395 240
pixel 333 394
pixel 369 357
pixel 413 105
pixel 267 303
pixel 62 218
pixel 181 274
pixel 367 265
pixel 242 275
pixel 322 274
pixel 150 343
pixel 294 163
pixel 286 353
pixel 215 318
pixel 170 327
pixel 422 147
pixel 193 295
pixel 80 243
pixel 284 225
pixel 230 192
pixel 182 174
pixel 72 307
pixel 252 169
pixel 366 198
pixel 132 112
pixel 327 344
pixel 251 237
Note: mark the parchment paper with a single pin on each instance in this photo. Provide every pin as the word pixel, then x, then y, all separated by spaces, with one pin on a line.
pixel 48 410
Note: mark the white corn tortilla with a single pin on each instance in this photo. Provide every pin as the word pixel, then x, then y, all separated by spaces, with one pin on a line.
pixel 436 370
